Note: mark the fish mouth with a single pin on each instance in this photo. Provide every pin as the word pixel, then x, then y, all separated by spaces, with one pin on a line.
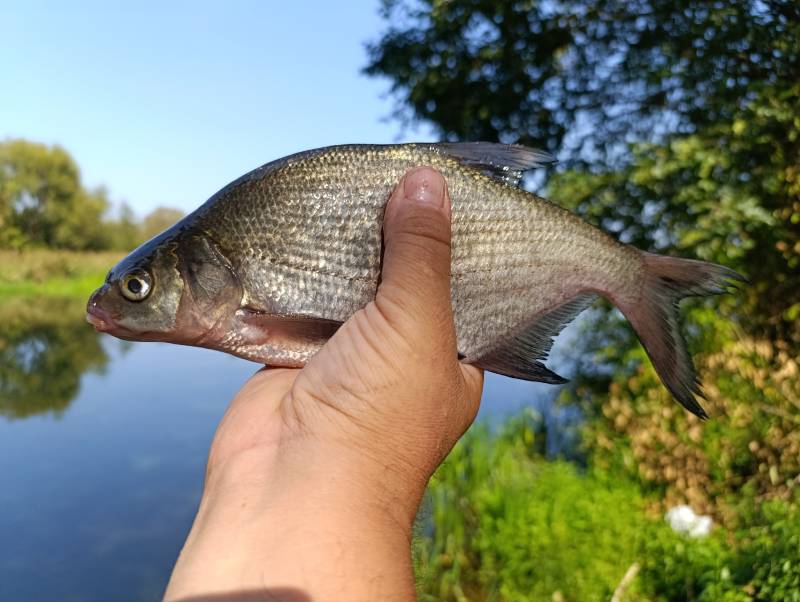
pixel 103 321
pixel 99 318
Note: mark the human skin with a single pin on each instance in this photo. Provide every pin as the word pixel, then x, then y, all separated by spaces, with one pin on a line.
pixel 315 475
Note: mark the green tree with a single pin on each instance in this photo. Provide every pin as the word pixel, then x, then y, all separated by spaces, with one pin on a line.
pixel 678 126
pixel 606 72
pixel 125 232
pixel 677 119
pixel 159 220
pixel 42 200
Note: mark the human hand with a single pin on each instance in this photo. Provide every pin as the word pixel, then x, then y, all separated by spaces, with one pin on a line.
pixel 315 475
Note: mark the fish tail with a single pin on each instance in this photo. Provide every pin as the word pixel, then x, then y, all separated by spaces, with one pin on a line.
pixel 654 317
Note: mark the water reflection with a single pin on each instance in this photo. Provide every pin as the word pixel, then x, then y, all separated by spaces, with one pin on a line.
pixel 100 500
pixel 45 348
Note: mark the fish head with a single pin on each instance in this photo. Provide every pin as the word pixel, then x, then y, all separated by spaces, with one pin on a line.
pixel 141 296
pixel 174 288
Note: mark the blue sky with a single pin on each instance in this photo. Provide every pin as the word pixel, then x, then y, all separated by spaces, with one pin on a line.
pixel 164 103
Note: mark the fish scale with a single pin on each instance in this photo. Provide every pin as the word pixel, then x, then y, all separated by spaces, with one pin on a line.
pixel 318 269
pixel 270 266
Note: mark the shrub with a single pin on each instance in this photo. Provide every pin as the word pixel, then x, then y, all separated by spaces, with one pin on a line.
pixel 502 523
pixel 750 446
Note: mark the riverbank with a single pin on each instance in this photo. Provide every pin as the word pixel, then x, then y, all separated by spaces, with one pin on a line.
pixel 49 273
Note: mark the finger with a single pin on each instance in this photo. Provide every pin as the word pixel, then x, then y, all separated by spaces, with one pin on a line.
pixel 415 286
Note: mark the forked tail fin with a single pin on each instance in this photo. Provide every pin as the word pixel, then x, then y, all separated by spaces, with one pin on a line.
pixel 655 318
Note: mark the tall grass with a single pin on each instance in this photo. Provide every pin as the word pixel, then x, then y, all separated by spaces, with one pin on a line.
pixel 47 273
pixel 504 524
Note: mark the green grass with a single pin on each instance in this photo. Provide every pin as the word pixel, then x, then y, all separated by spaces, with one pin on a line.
pixel 503 524
pixel 46 273
pixel 55 287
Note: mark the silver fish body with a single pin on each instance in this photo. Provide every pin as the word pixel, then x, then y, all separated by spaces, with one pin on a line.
pixel 304 233
pixel 300 240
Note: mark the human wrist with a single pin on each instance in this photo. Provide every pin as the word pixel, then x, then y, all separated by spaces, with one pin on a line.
pixel 325 537
pixel 315 481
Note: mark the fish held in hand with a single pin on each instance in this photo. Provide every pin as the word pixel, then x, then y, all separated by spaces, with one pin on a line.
pixel 271 265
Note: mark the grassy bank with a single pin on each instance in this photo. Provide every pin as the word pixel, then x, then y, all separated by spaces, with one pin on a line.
pixel 46 273
pixel 503 524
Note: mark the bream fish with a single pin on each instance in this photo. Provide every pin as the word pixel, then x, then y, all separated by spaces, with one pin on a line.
pixel 270 266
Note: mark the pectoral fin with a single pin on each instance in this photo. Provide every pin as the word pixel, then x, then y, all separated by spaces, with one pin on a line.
pixel 289 329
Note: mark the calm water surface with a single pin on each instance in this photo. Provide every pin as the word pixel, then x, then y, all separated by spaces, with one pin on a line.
pixel 103 447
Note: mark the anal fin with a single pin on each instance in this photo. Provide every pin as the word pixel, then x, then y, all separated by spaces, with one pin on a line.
pixel 520 355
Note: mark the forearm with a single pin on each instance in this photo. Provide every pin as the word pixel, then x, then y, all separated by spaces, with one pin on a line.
pixel 295 539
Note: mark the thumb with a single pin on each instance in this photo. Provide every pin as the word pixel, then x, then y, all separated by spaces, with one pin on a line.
pixel 414 293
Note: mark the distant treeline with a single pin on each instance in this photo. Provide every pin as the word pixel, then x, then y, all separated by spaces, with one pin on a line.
pixel 44 204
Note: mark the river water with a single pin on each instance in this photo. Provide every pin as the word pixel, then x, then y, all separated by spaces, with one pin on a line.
pixel 103 446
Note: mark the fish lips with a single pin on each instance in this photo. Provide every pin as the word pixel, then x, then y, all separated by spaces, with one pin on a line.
pixel 101 319
pixel 96 315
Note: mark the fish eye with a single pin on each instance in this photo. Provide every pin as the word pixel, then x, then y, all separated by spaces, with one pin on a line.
pixel 135 286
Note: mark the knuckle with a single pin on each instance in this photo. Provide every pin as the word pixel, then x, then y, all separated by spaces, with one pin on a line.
pixel 427 225
pixel 426 257
pixel 415 322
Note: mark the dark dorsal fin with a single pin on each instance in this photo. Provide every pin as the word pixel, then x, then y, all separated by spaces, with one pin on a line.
pixel 504 162
pixel 520 355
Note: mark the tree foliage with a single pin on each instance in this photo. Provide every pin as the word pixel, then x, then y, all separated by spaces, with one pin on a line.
pixel 43 203
pixel 751 448
pixel 606 72
pixel 509 526
pixel 159 220
pixel 678 126
pixel 45 349
pixel 677 119
pixel 42 200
